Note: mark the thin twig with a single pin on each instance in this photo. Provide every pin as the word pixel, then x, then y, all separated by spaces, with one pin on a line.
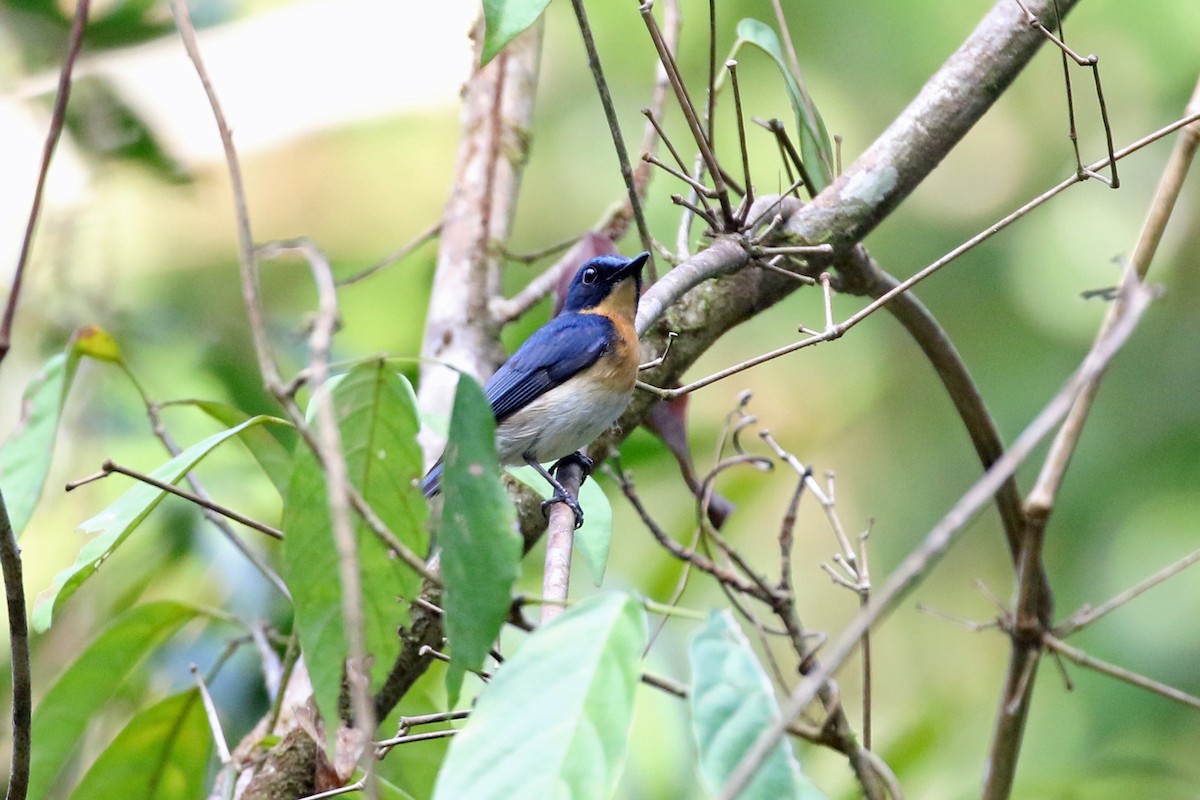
pixel 416 737
pixel 337 481
pixel 58 116
pixel 614 125
pixel 689 114
pixel 842 327
pixel 18 638
pixel 1087 615
pixel 210 711
pixel 1084 61
pixel 731 65
pixel 1120 673
pixel 939 539
pixel 109 466
pixel 398 254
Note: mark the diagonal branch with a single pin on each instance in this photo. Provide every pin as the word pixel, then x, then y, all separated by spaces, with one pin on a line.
pixel 943 535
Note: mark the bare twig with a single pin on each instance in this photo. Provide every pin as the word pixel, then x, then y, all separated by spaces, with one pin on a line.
pixel 57 117
pixel 109 466
pixel 939 539
pixel 337 482
pixel 18 637
pixel 396 255
pixel 214 517
pixel 1032 608
pixel 210 711
pixel 1084 61
pixel 731 65
pixel 416 737
pixel 689 112
pixel 614 126
pixel 1120 673
pixel 1087 615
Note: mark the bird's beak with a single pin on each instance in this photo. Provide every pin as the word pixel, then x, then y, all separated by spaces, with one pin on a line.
pixel 634 267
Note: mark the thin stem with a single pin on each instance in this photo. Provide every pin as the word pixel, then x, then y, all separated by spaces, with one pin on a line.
pixel 214 722
pixel 109 466
pixel 939 539
pixel 398 254
pixel 1120 673
pixel 741 126
pixel 614 126
pixel 18 638
pixel 57 117
pixel 689 112
pixel 1087 615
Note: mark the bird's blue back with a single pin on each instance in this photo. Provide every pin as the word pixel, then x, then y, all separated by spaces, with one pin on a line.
pixel 559 349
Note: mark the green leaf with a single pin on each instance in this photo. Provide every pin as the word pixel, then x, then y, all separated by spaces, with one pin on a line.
pixel 594 537
pixel 113 525
pixel 505 20
pixel 25 457
pixel 273 457
pixel 554 720
pixel 378 425
pixel 60 720
pixel 732 703
pixel 815 147
pixel 162 754
pixel 481 551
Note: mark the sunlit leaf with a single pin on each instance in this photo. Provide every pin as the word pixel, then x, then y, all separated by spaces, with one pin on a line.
pixel 162 754
pixel 815 147
pixel 114 524
pixel 505 20
pixel 96 343
pixel 60 720
pixel 732 703
pixel 554 720
pixel 481 551
pixel 594 537
pixel 378 425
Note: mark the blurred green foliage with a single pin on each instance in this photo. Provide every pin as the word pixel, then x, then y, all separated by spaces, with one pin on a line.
pixel 154 262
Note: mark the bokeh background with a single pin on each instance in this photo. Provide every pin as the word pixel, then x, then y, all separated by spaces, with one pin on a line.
pixel 346 118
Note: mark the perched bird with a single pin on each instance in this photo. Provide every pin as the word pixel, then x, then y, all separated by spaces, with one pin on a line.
pixel 571 379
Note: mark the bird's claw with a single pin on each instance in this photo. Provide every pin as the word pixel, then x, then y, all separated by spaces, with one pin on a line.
pixel 585 464
pixel 571 502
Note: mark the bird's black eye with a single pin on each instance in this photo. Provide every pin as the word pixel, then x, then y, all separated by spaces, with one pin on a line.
pixel 589 276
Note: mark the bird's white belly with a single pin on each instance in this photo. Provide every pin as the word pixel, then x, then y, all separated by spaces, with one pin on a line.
pixel 559 422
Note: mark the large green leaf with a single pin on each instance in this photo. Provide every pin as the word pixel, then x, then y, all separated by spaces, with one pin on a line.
pixel 481 550
pixel 378 425
pixel 60 720
pixel 815 147
pixel 594 537
pixel 113 525
pixel 25 456
pixel 554 720
pixel 732 703
pixel 162 754
pixel 505 20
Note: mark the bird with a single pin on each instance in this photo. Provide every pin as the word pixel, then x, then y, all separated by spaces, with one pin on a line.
pixel 570 380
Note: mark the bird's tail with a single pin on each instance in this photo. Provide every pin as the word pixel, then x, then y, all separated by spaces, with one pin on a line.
pixel 432 484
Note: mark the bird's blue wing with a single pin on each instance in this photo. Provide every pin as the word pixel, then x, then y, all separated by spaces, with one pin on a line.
pixel 556 351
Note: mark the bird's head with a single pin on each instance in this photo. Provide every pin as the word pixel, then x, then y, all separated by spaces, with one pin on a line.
pixel 608 284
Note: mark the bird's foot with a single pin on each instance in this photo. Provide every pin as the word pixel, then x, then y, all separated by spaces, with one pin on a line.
pixel 572 503
pixel 578 458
